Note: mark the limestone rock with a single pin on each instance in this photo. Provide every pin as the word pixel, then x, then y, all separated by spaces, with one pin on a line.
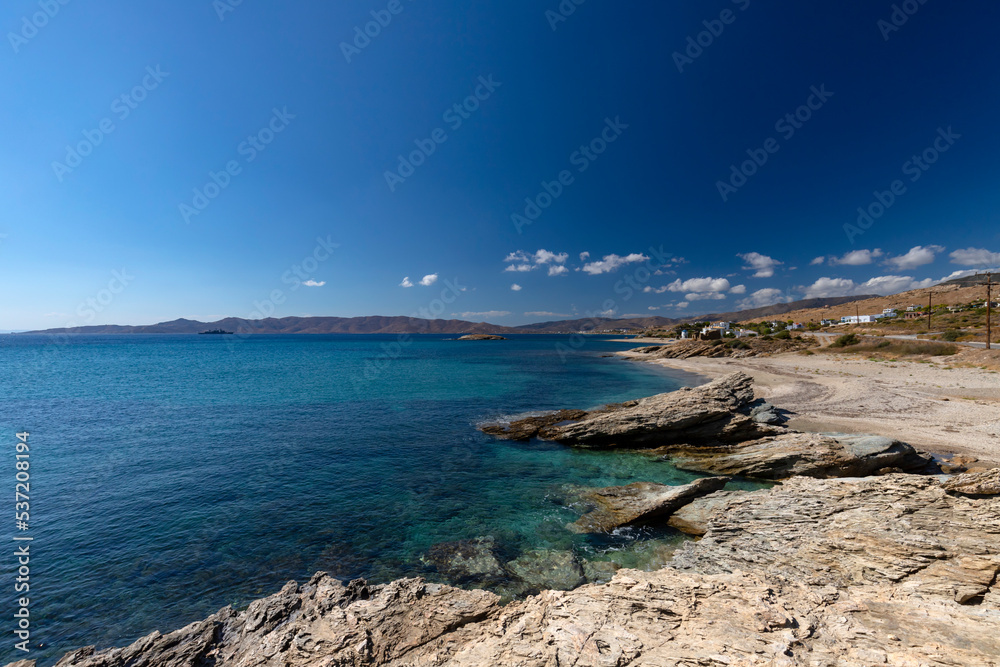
pixel 986 483
pixel 639 502
pixel 792 453
pixel 693 518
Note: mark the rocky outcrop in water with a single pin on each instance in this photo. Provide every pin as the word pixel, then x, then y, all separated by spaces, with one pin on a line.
pixel 639 502
pixel 480 337
pixel 892 570
pixel 718 411
pixel 720 429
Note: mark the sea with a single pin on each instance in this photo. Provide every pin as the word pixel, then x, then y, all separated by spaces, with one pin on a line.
pixel 171 475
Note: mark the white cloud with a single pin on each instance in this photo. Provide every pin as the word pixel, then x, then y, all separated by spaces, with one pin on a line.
pixel 544 313
pixel 545 257
pixel 584 256
pixel 975 257
pixel 817 261
pixel 655 290
pixel 515 287
pixel 829 287
pixel 762 264
pixel 406 282
pixel 313 283
pixel 516 256
pixel 611 263
pixel 682 305
pixel 702 296
pixel 826 287
pixel 485 313
pixel 917 256
pixel 521 262
pixel 429 279
pixel 699 285
pixel 738 289
pixel 961 274
pixel 857 258
pixel 764 297
pixel 520 267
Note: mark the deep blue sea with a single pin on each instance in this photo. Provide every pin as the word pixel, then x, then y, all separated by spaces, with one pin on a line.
pixel 172 475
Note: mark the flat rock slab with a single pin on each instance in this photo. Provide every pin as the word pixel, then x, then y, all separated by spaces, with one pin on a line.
pixel 809 454
pixel 639 502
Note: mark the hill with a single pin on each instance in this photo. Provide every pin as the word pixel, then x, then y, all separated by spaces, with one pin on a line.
pixel 783 308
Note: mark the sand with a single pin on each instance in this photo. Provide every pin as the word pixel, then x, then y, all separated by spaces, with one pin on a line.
pixel 936 405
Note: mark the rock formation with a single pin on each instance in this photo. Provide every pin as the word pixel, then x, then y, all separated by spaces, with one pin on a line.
pixel 480 337
pixel 892 570
pixel 639 502
pixel 710 413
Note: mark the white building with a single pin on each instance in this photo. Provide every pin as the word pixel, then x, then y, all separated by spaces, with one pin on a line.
pixel 890 312
pixel 853 319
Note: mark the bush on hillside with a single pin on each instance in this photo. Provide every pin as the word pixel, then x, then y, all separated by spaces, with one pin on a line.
pixel 846 340
pixel 782 335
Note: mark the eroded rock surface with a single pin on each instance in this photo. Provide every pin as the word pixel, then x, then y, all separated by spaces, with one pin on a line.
pixel 891 570
pixel 793 453
pixel 694 517
pixel 986 483
pixel 639 502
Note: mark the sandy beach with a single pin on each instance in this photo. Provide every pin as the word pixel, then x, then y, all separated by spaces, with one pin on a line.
pixel 940 405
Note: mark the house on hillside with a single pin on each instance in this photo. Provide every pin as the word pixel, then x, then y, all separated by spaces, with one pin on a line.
pixel 890 312
pixel 913 315
pixel 797 326
pixel 826 323
pixel 854 319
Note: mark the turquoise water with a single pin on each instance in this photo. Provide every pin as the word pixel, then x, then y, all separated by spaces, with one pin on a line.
pixel 172 475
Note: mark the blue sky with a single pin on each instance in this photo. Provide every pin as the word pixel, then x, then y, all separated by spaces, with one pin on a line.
pixel 245 159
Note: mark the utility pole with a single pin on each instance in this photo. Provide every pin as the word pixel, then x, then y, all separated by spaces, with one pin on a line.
pixel 989 308
pixel 857 309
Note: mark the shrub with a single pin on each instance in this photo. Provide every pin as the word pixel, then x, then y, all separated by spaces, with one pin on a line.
pixel 782 335
pixel 846 340
pixel 951 335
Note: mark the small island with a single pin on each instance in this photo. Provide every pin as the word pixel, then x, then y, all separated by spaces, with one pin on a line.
pixel 481 337
pixel 215 331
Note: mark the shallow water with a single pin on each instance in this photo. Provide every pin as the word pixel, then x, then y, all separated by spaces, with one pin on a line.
pixel 172 475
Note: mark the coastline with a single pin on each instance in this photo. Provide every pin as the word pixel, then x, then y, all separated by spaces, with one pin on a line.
pixel 936 405
pixel 892 568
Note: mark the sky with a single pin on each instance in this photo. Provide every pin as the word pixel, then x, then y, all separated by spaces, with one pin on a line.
pixel 512 162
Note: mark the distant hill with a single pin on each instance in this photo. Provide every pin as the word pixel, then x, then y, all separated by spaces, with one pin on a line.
pixel 783 308
pixel 973 280
pixel 414 325
pixel 298 325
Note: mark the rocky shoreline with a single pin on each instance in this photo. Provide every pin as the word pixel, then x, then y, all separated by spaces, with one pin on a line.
pixel 861 554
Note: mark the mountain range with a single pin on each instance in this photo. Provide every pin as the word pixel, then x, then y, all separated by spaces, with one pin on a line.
pixel 414 325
